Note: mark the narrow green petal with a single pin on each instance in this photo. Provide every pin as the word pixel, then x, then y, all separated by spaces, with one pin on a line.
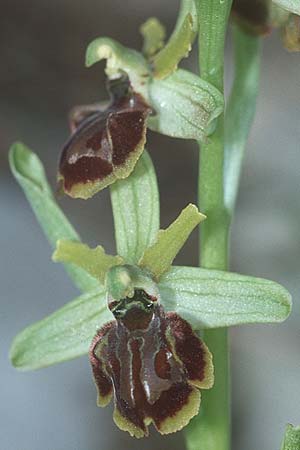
pixel 135 204
pixel 240 110
pixel 180 42
pixel 184 105
pixel 291 438
pixel 119 59
pixel 290 5
pixel 212 298
pixel 154 34
pixel 94 261
pixel 65 334
pixel 159 257
pixel 29 173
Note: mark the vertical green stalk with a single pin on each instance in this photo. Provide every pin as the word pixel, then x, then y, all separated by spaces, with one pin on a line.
pixel 240 109
pixel 211 429
pixel 219 172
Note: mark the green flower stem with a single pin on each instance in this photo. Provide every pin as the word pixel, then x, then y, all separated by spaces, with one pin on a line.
pixel 240 109
pixel 211 429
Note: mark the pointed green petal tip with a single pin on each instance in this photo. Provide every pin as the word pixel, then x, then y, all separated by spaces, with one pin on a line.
pixel 154 34
pixel 94 261
pixel 159 257
pixel 27 166
pixel 180 42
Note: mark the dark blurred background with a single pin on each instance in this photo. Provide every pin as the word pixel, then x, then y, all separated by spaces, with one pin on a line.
pixel 42 76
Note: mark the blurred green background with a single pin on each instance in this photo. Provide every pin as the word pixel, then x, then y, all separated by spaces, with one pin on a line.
pixel 42 76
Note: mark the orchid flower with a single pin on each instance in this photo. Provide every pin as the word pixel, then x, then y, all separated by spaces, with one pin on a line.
pixel 139 316
pixel 146 90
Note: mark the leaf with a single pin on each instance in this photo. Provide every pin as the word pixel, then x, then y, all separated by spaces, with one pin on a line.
pixel 291 438
pixel 29 172
pixel 154 34
pixel 184 104
pixel 212 298
pixel 180 41
pixel 159 257
pixel 94 261
pixel 65 334
pixel 135 203
pixel 119 59
pixel 290 5
pixel 240 110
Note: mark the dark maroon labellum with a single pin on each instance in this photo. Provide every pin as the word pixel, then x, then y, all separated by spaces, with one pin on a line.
pixel 153 362
pixel 105 144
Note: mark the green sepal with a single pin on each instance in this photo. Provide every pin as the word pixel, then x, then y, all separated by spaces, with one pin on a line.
pixel 93 260
pixel 121 282
pixel 154 34
pixel 184 105
pixel 180 43
pixel 135 204
pixel 65 334
pixel 291 439
pixel 120 59
pixel 290 5
pixel 29 173
pixel 212 298
pixel 206 298
pixel 159 256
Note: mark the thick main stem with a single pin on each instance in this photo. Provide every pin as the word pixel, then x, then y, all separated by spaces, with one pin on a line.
pixel 211 430
pixel 214 424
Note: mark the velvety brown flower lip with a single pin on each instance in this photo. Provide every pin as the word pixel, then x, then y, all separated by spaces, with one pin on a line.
pixel 153 362
pixel 253 15
pixel 103 141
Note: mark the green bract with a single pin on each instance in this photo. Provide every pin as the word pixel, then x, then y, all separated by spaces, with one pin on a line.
pixel 291 439
pixel 290 5
pixel 136 227
pixel 29 173
pixel 206 298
